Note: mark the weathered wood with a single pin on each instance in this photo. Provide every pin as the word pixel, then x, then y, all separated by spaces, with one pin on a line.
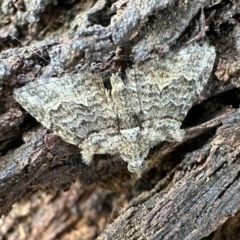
pixel 199 196
pixel 200 191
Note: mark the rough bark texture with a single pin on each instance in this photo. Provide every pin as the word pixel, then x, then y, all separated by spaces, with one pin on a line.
pixel 190 190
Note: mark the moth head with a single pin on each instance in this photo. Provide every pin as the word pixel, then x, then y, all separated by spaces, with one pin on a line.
pixel 137 166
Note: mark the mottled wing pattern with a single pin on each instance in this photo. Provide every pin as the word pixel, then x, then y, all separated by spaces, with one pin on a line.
pixel 167 88
pixel 74 106
pixel 142 110
pixel 125 102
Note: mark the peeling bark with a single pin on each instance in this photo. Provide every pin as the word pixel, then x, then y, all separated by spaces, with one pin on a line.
pixel 190 189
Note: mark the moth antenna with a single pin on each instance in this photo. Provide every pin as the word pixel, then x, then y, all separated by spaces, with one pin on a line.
pixel 31 49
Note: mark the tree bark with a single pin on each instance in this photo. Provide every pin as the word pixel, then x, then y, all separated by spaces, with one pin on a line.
pixel 190 188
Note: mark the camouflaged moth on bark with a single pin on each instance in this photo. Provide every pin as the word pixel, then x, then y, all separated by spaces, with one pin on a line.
pixel 139 113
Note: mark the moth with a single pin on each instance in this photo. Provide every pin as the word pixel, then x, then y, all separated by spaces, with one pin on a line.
pixel 147 108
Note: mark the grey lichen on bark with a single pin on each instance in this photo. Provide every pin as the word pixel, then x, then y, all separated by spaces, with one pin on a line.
pixel 115 41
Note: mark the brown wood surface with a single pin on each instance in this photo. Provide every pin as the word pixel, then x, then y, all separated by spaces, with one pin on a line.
pixel 191 189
